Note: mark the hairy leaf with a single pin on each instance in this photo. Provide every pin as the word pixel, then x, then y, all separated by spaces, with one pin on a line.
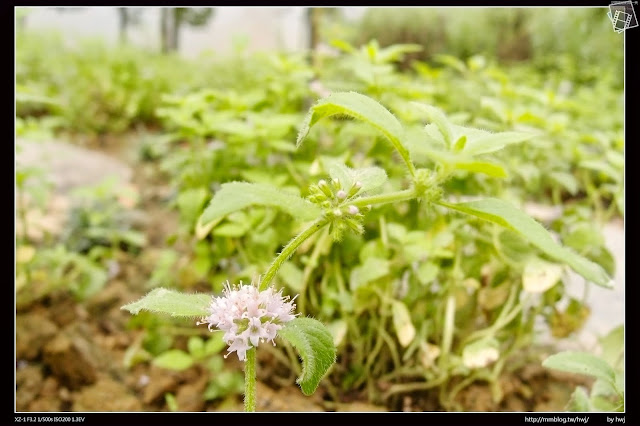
pixel 234 196
pixel 314 343
pixel 171 302
pixel 362 108
pixel 581 363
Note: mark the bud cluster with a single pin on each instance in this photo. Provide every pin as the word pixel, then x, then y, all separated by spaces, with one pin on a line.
pixel 335 202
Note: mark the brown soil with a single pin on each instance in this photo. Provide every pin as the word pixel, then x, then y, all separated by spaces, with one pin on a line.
pixel 75 362
pixel 71 356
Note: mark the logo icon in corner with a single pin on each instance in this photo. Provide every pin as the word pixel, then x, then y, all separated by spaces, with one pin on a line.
pixel 622 15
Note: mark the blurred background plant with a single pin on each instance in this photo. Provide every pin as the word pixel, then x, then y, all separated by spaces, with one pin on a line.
pixel 422 300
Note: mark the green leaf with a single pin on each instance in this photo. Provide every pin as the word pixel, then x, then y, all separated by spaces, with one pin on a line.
pixel 437 117
pixel 174 359
pixel 579 400
pixel 342 45
pixel 504 214
pixel 292 276
pixel 315 345
pixel 460 143
pixel 427 272
pixel 172 402
pixel 215 344
pixel 613 347
pixel 370 270
pixel 471 165
pixel 174 303
pixel 459 161
pixel 234 196
pixel 396 52
pixel 494 142
pixel 370 177
pixel 190 202
pixel 362 108
pixel 581 363
pixel 565 180
pixel 195 345
pixel 602 167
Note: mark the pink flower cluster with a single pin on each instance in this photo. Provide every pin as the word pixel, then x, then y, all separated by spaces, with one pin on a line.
pixel 248 316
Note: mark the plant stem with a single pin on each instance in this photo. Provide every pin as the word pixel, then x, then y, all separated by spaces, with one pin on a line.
pixel 288 250
pixel 404 195
pixel 313 263
pixel 250 381
pixel 447 332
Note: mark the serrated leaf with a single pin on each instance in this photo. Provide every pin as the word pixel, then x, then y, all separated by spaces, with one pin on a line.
pixel 171 302
pixel 581 363
pixel 174 359
pixel 362 108
pixel 315 345
pixel 402 323
pixel 504 214
pixel 235 196
pixel 370 177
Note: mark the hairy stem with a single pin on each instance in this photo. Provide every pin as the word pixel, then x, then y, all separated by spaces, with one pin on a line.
pixel 289 249
pixel 447 332
pixel 404 195
pixel 250 381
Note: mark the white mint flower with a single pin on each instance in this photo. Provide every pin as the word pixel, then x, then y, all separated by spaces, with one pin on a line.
pixel 248 316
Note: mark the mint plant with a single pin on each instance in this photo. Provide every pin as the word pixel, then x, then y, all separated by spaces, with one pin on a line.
pixel 252 314
pixel 607 392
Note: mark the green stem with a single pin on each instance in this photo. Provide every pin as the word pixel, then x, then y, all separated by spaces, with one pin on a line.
pixel 313 263
pixel 250 381
pixel 288 250
pixel 447 333
pixel 404 195
pixel 415 386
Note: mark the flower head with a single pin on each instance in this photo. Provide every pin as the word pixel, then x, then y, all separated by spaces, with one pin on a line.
pixel 248 316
